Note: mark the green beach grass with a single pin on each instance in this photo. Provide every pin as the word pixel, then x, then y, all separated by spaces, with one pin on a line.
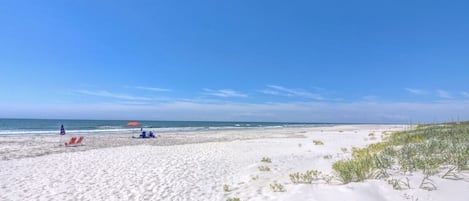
pixel 432 149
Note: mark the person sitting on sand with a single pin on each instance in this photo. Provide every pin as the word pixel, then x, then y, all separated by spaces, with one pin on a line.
pixel 152 135
pixel 143 135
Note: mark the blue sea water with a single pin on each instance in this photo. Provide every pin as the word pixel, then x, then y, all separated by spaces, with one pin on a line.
pixel 52 126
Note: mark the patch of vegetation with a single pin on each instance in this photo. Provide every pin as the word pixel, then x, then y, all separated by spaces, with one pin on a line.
pixel 226 188
pixel 327 156
pixel 399 184
pixel 266 160
pixel 344 149
pixel 264 168
pixel 276 187
pixel 254 178
pixel 306 178
pixel 353 170
pixel 395 184
pixel 428 149
pixel 233 199
pixel 318 142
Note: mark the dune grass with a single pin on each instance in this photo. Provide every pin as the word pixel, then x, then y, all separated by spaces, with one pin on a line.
pixel 430 149
pixel 276 187
pixel 306 178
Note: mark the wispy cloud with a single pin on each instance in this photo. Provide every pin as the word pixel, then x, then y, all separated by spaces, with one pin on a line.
pixel 107 94
pixel 444 94
pixel 292 111
pixel 133 102
pixel 284 91
pixel 465 94
pixel 224 93
pixel 270 92
pixel 416 91
pixel 156 89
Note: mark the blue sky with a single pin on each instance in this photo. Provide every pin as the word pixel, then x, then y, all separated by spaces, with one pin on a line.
pixel 311 61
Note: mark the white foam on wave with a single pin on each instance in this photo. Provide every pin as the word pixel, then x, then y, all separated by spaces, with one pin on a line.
pixel 119 129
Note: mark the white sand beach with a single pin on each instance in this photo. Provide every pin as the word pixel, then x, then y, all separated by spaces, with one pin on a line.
pixel 197 166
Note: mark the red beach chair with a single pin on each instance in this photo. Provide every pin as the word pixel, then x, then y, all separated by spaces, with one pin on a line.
pixel 79 140
pixel 71 142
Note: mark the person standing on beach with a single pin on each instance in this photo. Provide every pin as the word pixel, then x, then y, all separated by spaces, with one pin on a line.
pixel 62 132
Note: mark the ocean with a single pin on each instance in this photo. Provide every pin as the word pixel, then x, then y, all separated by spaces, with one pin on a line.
pixel 52 126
